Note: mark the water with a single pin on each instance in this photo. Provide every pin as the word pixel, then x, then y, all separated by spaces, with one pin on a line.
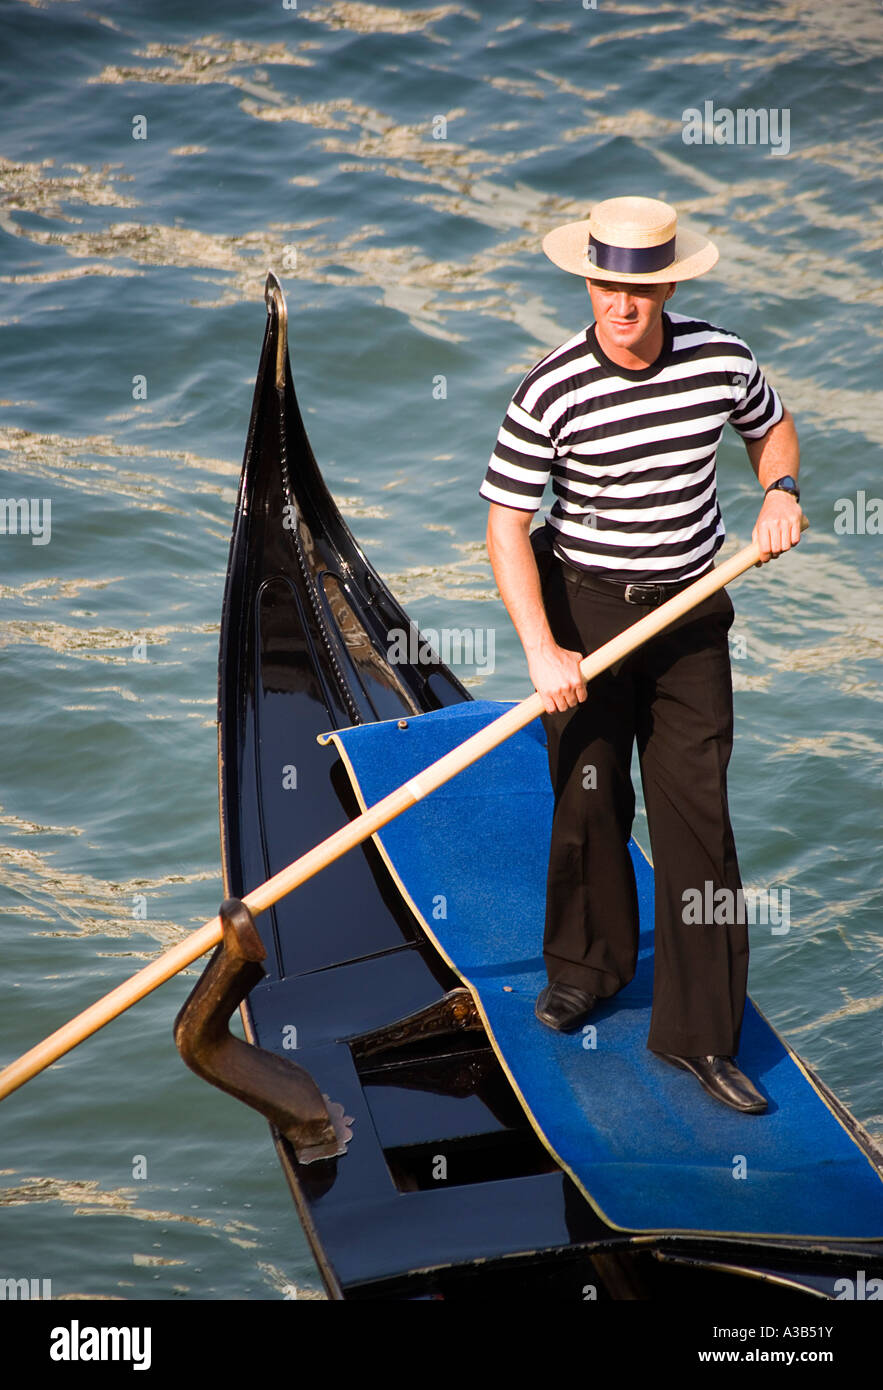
pixel 305 139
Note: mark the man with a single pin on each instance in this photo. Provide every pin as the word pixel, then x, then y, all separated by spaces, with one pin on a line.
pixel 626 417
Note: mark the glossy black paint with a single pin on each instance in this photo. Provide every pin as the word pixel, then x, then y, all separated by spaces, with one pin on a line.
pixel 303 650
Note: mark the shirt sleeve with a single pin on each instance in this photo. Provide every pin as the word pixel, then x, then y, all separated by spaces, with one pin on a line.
pixel 757 406
pixel 520 465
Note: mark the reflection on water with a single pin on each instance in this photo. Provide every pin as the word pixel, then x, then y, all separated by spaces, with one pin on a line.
pixel 87 1197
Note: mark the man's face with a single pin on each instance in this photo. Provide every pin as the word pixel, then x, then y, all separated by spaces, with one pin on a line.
pixel 627 313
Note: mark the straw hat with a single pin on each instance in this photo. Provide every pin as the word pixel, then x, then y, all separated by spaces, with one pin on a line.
pixel 630 239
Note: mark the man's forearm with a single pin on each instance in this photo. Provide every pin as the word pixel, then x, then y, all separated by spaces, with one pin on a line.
pixel 515 570
pixel 777 454
pixel 554 670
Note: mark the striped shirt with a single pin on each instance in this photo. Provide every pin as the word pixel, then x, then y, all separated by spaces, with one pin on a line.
pixel 631 454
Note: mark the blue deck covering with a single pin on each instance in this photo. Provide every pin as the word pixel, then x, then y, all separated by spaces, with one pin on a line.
pixel 648 1147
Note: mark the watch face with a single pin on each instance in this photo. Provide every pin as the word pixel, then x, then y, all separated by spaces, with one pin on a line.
pixel 786 484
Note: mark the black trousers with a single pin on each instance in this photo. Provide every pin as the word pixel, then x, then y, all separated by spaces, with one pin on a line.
pixel 673 697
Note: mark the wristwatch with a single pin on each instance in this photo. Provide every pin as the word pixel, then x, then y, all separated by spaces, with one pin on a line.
pixel 786 484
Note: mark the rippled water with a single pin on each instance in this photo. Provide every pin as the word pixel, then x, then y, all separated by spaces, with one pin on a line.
pixel 398 167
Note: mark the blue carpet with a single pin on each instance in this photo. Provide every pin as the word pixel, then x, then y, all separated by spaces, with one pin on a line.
pixel 649 1149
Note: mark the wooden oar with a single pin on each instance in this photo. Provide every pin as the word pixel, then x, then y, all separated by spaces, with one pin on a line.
pixel 355 831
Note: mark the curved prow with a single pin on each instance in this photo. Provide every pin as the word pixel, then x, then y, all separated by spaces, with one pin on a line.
pixel 273 295
pixel 281 1090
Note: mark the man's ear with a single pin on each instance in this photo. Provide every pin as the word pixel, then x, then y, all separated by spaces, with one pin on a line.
pixel 670 291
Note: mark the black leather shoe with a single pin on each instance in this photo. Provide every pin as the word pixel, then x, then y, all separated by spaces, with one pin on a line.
pixel 563 1007
pixel 721 1078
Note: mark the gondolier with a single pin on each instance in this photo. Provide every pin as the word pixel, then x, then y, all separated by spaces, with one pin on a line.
pixel 625 417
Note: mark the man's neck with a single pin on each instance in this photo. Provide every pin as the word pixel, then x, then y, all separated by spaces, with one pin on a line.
pixel 640 355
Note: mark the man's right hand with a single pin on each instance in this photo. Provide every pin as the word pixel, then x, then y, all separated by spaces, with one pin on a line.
pixel 554 670
pixel 556 675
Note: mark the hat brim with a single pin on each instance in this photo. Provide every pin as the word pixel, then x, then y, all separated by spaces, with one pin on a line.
pixel 566 247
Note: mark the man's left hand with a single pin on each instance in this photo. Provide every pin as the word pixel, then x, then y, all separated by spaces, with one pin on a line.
pixel 778 525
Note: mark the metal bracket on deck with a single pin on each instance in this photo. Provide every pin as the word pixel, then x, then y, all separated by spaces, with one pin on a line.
pixel 455 1012
pixel 279 1089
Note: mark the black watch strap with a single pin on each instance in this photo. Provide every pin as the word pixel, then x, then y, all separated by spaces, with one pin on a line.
pixel 785 484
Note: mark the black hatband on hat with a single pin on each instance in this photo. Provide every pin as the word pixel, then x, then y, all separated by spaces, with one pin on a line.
pixel 631 260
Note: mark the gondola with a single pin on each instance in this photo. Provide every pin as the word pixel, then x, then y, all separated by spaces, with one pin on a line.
pixel 357 998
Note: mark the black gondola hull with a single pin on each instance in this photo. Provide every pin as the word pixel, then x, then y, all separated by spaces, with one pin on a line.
pixel 304 649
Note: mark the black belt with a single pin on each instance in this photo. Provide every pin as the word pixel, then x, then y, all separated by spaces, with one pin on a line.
pixel 650 595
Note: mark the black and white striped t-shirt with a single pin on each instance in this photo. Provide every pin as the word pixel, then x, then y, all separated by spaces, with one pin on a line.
pixel 631 454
